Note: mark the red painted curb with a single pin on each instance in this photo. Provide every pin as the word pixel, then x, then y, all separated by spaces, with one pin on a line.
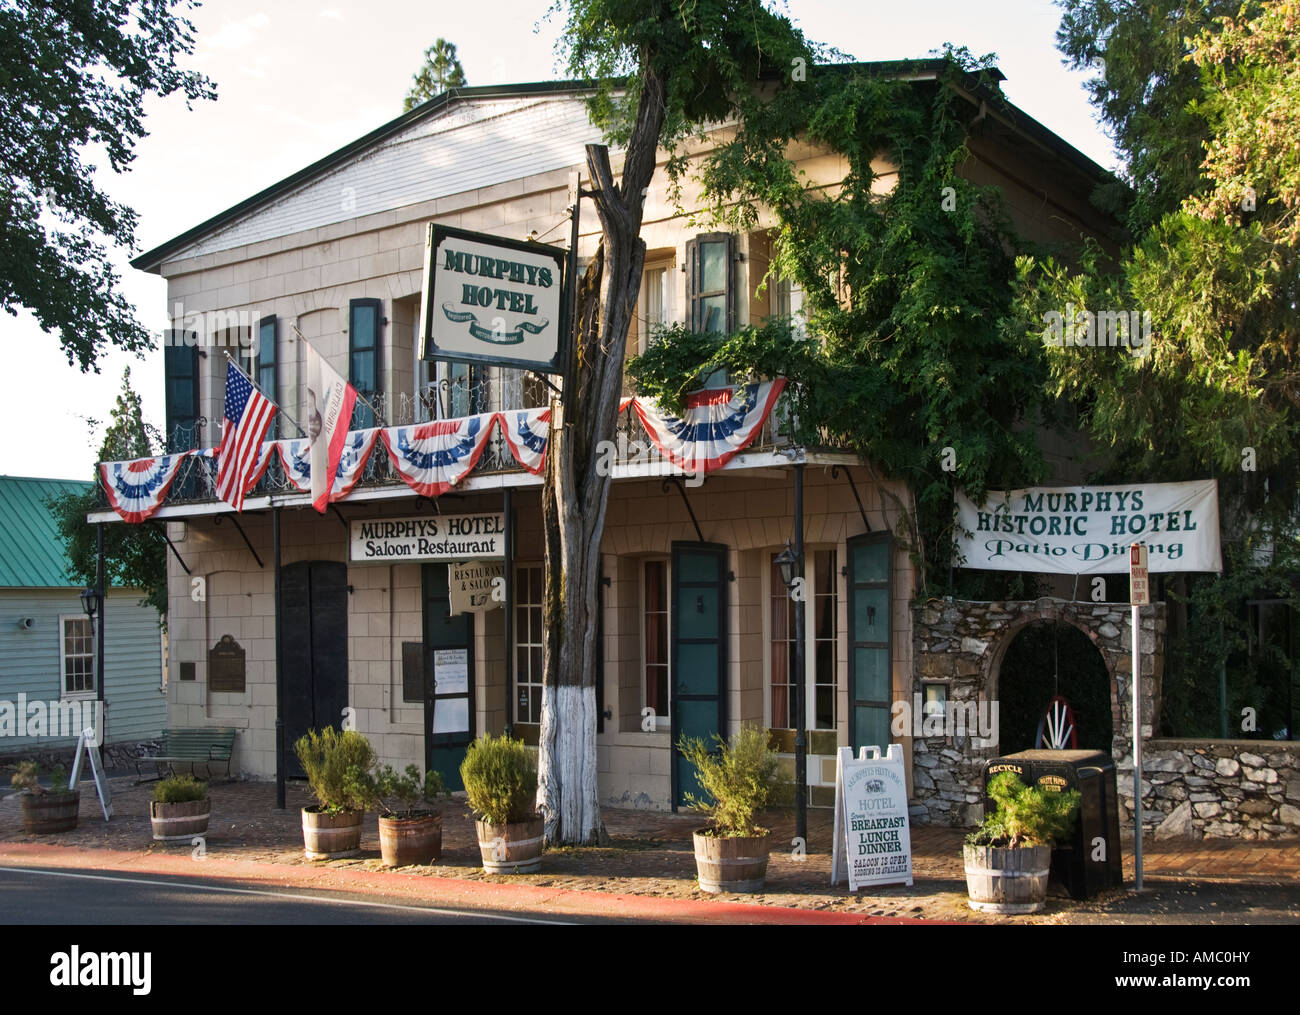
pixel 497 895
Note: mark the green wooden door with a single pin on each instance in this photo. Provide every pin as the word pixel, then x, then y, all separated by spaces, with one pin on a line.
pixel 698 653
pixel 870 649
pixel 448 679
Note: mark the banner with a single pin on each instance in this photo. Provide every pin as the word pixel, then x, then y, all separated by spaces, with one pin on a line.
pixel 136 489
pixel 431 458
pixel 717 425
pixel 1088 529
pixel 296 453
pixel 526 432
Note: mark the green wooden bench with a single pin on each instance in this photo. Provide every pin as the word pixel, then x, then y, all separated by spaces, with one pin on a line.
pixel 193 746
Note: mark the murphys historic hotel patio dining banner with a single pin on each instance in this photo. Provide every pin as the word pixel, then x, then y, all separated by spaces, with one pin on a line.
pixel 1088 529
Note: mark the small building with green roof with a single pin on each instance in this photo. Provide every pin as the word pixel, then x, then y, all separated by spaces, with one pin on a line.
pixel 47 642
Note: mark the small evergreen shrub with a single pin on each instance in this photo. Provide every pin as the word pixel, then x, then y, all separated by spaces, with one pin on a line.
pixel 1026 815
pixel 400 795
pixel 338 765
pixel 500 779
pixel 741 778
pixel 179 789
pixel 27 776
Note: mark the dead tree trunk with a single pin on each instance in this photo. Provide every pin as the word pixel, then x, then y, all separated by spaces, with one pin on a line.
pixel 575 494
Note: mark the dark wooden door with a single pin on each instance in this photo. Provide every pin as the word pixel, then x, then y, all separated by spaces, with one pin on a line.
pixel 314 638
pixel 449 679
pixel 698 654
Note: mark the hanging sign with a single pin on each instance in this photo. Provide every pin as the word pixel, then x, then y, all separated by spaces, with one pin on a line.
pixel 873 838
pixel 491 300
pixel 1088 529
pixel 428 537
pixel 471 586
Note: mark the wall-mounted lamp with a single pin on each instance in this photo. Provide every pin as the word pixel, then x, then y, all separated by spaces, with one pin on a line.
pixel 90 602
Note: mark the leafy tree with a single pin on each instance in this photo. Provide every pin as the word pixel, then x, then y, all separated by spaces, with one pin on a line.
pixel 441 70
pixel 662 68
pixel 74 75
pixel 909 302
pixel 135 556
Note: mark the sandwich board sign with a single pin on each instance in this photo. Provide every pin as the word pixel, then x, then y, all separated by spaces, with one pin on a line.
pixel 873 838
pixel 86 744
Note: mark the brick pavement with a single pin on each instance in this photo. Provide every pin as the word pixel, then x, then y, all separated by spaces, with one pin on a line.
pixel 649 855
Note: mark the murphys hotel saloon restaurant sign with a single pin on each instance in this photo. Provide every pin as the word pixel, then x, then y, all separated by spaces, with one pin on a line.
pixel 491 300
pixel 1089 529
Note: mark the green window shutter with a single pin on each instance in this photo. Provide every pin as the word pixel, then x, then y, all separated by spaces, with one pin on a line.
pixel 267 367
pixel 364 324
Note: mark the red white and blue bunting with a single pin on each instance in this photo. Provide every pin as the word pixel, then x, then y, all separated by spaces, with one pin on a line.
pixel 136 489
pixel 717 425
pixel 431 458
pixel 527 431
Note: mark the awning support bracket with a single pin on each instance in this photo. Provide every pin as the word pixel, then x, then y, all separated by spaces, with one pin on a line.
pixel 835 472
pixel 685 500
pixel 162 528
pixel 240 529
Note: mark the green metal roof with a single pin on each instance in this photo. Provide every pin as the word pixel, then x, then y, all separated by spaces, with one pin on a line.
pixel 31 549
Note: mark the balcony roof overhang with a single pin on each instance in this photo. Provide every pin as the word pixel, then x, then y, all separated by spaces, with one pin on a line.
pixel 658 468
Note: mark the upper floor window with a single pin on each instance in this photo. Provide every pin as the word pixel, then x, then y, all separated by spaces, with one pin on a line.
pixel 267 365
pixel 658 302
pixel 363 355
pixel 789 306
pixel 709 285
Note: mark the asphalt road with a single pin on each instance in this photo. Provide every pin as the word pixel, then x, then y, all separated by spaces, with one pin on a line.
pixel 57 897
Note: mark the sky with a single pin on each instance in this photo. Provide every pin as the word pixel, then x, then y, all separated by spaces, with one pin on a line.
pixel 298 79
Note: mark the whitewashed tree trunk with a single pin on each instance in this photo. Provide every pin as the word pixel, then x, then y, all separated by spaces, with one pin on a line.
pixel 575 494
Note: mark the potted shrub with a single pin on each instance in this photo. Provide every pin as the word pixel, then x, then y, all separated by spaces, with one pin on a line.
pixel 741 779
pixel 337 763
pixel 179 809
pixel 500 779
pixel 1008 858
pixel 408 833
pixel 46 811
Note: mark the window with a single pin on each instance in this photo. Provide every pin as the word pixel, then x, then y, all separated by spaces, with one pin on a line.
pixel 654 637
pixel 266 366
pixel 181 371
pixel 363 355
pixel 658 303
pixel 708 268
pixel 529 643
pixel 820 677
pixel 77 655
pixel 789 306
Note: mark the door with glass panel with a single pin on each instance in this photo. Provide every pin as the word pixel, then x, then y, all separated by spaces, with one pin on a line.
pixel 698 668
pixel 870 648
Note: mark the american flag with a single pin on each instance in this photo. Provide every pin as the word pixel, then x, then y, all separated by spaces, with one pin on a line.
pixel 248 414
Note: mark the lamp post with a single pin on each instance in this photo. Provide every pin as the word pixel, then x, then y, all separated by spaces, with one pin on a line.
pixel 790 562
pixel 92 604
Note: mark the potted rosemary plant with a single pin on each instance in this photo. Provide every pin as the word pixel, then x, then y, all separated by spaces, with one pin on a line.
pixel 408 833
pixel 742 779
pixel 500 779
pixel 46 811
pixel 179 809
pixel 337 764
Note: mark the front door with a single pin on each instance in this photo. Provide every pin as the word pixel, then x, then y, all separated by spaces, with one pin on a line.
pixel 314 639
pixel 698 655
pixel 870 672
pixel 449 679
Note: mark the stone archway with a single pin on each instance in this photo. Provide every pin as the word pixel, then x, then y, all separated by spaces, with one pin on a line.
pixel 962 644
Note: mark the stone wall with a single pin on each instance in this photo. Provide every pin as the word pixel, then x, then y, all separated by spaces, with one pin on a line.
pixel 1243 789
pixel 962 644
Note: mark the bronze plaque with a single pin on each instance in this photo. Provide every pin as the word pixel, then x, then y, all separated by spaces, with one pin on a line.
pixel 226 666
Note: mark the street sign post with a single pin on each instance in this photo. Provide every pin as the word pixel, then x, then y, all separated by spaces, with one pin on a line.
pixel 1139 596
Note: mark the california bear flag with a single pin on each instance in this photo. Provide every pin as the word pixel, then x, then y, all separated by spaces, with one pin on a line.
pixel 328 412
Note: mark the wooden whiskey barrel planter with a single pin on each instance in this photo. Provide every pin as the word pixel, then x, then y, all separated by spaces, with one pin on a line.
pixel 736 864
pixel 407 841
pixel 1010 881
pixel 179 822
pixel 47 813
pixel 511 849
pixel 331 836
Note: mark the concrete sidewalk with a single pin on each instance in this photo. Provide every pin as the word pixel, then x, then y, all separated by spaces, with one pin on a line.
pixel 647 869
